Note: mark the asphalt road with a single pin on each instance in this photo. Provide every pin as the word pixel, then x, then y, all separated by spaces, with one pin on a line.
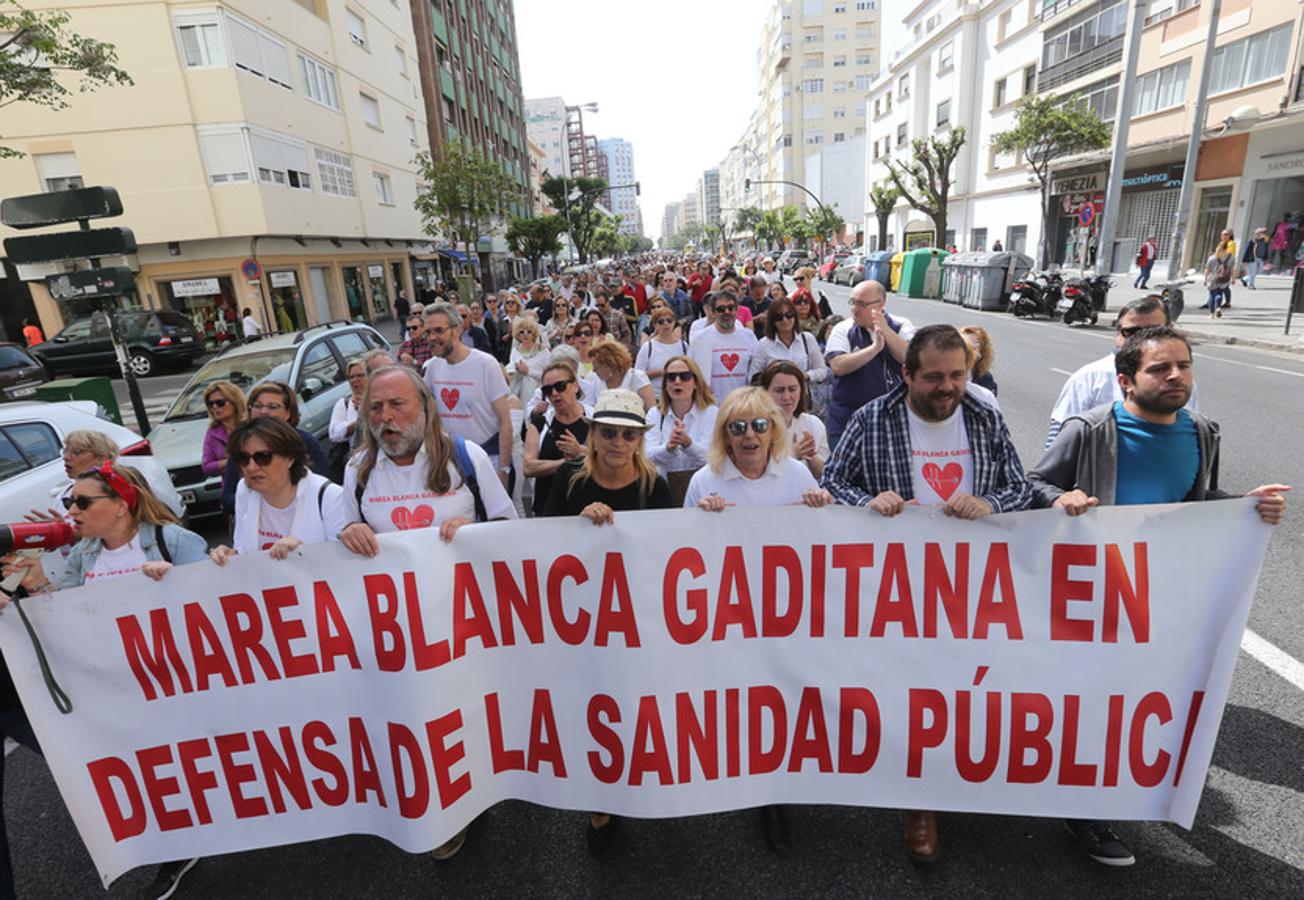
pixel 1247 840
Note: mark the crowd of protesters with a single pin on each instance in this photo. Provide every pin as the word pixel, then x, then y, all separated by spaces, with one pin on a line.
pixel 677 382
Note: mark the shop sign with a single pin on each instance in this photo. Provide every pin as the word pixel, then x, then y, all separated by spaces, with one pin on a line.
pixel 1292 163
pixel 1078 184
pixel 282 279
pixel 195 287
pixel 1153 179
pixel 375 271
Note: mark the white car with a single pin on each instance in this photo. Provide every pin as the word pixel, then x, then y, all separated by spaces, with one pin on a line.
pixel 31 462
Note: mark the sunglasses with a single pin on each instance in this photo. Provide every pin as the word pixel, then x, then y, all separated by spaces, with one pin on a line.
pixel 738 427
pixel 726 307
pixel 679 376
pixel 788 315
pixel 262 457
pixel 664 322
pixel 1130 330
pixel 584 332
pixel 84 501
pixel 799 278
pixel 556 387
pixel 611 432
pixel 215 403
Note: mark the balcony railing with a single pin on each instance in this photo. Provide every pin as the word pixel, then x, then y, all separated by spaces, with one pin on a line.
pixel 1097 57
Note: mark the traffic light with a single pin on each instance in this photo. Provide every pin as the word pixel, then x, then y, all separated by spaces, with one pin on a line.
pixel 747 185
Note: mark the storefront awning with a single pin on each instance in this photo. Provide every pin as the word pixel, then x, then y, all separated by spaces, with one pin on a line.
pixel 452 254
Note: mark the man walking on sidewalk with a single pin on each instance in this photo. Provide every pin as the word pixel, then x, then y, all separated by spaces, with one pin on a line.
pixel 1145 258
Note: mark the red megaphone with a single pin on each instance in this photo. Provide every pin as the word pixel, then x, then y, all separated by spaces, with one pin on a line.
pixel 35 536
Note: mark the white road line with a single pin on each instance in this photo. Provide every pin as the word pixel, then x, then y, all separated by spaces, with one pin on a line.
pixel 1276 659
pixel 1061 371
pixel 1237 362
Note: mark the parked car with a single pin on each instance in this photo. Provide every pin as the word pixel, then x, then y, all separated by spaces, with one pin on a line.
pixel 312 361
pixel 851 271
pixel 831 262
pixel 31 447
pixel 156 339
pixel 20 373
pixel 791 260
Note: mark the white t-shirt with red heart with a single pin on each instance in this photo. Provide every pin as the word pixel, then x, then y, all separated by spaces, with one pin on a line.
pixel 941 458
pixel 465 394
pixel 724 358
pixel 396 497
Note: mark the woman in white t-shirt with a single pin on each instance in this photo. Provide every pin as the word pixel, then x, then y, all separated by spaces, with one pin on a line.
pixel 786 385
pixel 658 349
pixel 528 357
pixel 279 503
pixel 613 369
pixel 344 416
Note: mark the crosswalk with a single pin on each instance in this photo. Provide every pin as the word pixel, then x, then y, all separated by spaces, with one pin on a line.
pixel 155 407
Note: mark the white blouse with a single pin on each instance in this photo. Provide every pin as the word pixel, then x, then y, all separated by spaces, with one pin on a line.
pixel 699 423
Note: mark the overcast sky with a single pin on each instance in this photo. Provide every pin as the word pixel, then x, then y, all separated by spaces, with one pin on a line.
pixel 675 78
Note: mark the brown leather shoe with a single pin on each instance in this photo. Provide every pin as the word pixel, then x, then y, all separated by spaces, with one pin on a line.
pixel 921 836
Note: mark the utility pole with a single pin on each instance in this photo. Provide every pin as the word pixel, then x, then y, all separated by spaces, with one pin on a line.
pixel 1118 160
pixel 1193 147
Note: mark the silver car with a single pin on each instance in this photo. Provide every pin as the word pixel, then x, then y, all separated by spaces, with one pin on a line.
pixel 312 361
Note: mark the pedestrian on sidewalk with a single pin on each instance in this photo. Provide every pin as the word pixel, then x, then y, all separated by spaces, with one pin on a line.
pixel 402 309
pixel 32 333
pixel 1145 258
pixel 249 325
pixel 1217 276
pixel 1254 257
pixel 1230 240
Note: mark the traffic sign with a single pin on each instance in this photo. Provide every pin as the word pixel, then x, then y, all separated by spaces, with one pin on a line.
pixel 250 269
pixel 56 207
pixel 1087 214
pixel 91 283
pixel 70 245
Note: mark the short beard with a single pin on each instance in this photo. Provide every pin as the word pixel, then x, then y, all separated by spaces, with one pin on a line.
pixel 407 443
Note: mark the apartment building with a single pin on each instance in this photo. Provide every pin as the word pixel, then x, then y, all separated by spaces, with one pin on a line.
pixel 545 123
pixel 837 176
pixel 690 211
pixel 669 223
pixel 619 155
pixel 708 197
pixel 264 157
pixel 965 64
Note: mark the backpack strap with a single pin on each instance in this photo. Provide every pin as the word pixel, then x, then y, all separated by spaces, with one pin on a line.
pixel 321 495
pixel 162 544
pixel 467 470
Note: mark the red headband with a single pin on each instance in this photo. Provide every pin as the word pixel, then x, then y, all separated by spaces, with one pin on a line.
pixel 120 486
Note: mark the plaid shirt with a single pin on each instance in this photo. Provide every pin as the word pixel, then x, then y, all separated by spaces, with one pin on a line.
pixel 873 455
pixel 419 348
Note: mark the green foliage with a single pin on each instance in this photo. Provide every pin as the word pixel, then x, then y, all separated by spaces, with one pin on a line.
pixel 35 47
pixel 791 224
pixel 1049 128
pixel 536 238
pixel 883 199
pixel 769 228
pixel 582 217
pixel 745 219
pixel 926 180
pixel 822 222
pixel 465 193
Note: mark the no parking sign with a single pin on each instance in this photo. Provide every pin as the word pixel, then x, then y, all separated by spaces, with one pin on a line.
pixel 1087 215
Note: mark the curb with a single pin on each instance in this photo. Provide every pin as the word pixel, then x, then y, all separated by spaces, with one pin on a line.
pixel 1284 346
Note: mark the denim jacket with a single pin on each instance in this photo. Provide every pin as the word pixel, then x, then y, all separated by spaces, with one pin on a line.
pixel 183 546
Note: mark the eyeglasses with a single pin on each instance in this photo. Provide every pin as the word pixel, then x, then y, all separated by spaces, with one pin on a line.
pixel 75 451
pixel 216 403
pixel 611 432
pixel 262 457
pixel 738 427
pixel 583 332
pixel 799 278
pixel 267 407
pixel 865 304
pixel 664 322
pixel 556 387
pixel 84 501
pixel 801 301
pixel 784 316
pixel 726 307
pixel 679 376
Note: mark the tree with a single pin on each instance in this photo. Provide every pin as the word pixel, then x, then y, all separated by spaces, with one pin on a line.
pixel 824 221
pixel 536 238
pixel 746 219
pixel 577 199
pixel 606 235
pixel 1048 129
pixel 35 47
pixel 884 199
pixel 791 224
pixel 769 228
pixel 712 235
pixel 465 193
pixel 926 181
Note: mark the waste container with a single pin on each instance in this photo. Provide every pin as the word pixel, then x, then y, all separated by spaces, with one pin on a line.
pixel 898 259
pixel 878 267
pixel 992 276
pixel 921 273
pixel 98 389
pixel 957 270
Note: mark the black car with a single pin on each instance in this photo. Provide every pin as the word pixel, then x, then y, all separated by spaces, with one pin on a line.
pixel 155 339
pixel 20 373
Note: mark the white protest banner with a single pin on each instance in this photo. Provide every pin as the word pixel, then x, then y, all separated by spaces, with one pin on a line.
pixel 676 662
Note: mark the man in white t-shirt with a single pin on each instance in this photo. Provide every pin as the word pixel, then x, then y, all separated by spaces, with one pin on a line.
pixel 249 325
pixel 723 351
pixel 469 387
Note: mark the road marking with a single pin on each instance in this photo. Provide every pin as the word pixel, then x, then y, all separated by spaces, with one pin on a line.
pixel 1237 362
pixel 1276 659
pixel 1061 371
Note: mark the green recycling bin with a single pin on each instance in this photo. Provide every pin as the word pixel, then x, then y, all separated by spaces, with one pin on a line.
pixel 99 390
pixel 921 273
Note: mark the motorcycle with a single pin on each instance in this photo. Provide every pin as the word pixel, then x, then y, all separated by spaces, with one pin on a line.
pixel 1172 298
pixel 1083 299
pixel 1035 295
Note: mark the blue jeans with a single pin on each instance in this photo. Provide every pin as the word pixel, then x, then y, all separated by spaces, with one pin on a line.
pixel 1252 270
pixel 1144 278
pixel 1215 299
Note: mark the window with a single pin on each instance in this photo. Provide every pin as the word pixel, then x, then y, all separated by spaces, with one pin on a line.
pixel 258 53
pixel 946 57
pixel 944 113
pixel 336 173
pixel 864 57
pixel 840 62
pixel 201 45
pixel 370 110
pixel 864 5
pixel 384 189
pixel 813 85
pixel 1101 98
pixel 812 7
pixel 875 153
pixel 58 171
pixel 977 239
pixel 25 446
pixel 319 82
pixel 813 37
pixel 903 87
pixel 864 31
pixel 839 7
pixel 1159 10
pixel 839 112
pixel 412 130
pixel 814 139
pixel 319 369
pixel 1016 239
pixel 813 111
pixel 357 28
pixel 814 61
pixel 787 140
pixel 839 137
pixel 1162 88
pixel 280 160
pixel 998 94
pixel 839 34
pixel 1029 81
pixel 226 156
pixel 903 134
pixel 400 60
pixel 1003 24
pixel 1081 35
pixel 839 87
pixel 861 83
pixel 1250 60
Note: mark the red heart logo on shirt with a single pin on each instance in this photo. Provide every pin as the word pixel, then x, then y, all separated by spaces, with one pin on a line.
pixel 450 396
pixel 943 480
pixel 729 360
pixel 405 519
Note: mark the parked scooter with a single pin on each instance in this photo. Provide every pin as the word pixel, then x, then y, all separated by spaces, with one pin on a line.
pixel 1036 295
pixel 1171 296
pixel 1083 299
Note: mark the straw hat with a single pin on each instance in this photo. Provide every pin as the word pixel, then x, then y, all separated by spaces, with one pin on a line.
pixel 617 406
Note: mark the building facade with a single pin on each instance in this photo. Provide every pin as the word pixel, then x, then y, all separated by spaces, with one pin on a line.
pixel 279 141
pixel 837 176
pixel 708 197
pixel 669 223
pixel 545 122
pixel 619 155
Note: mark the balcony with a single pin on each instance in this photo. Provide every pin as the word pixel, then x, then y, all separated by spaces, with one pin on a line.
pixel 1097 57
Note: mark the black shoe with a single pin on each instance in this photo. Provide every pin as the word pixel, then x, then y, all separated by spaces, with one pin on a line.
pixel 777 835
pixel 1100 842
pixel 168 879
pixel 601 839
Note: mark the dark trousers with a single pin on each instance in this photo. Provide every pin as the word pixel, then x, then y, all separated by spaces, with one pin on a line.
pixel 13 724
pixel 1143 279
